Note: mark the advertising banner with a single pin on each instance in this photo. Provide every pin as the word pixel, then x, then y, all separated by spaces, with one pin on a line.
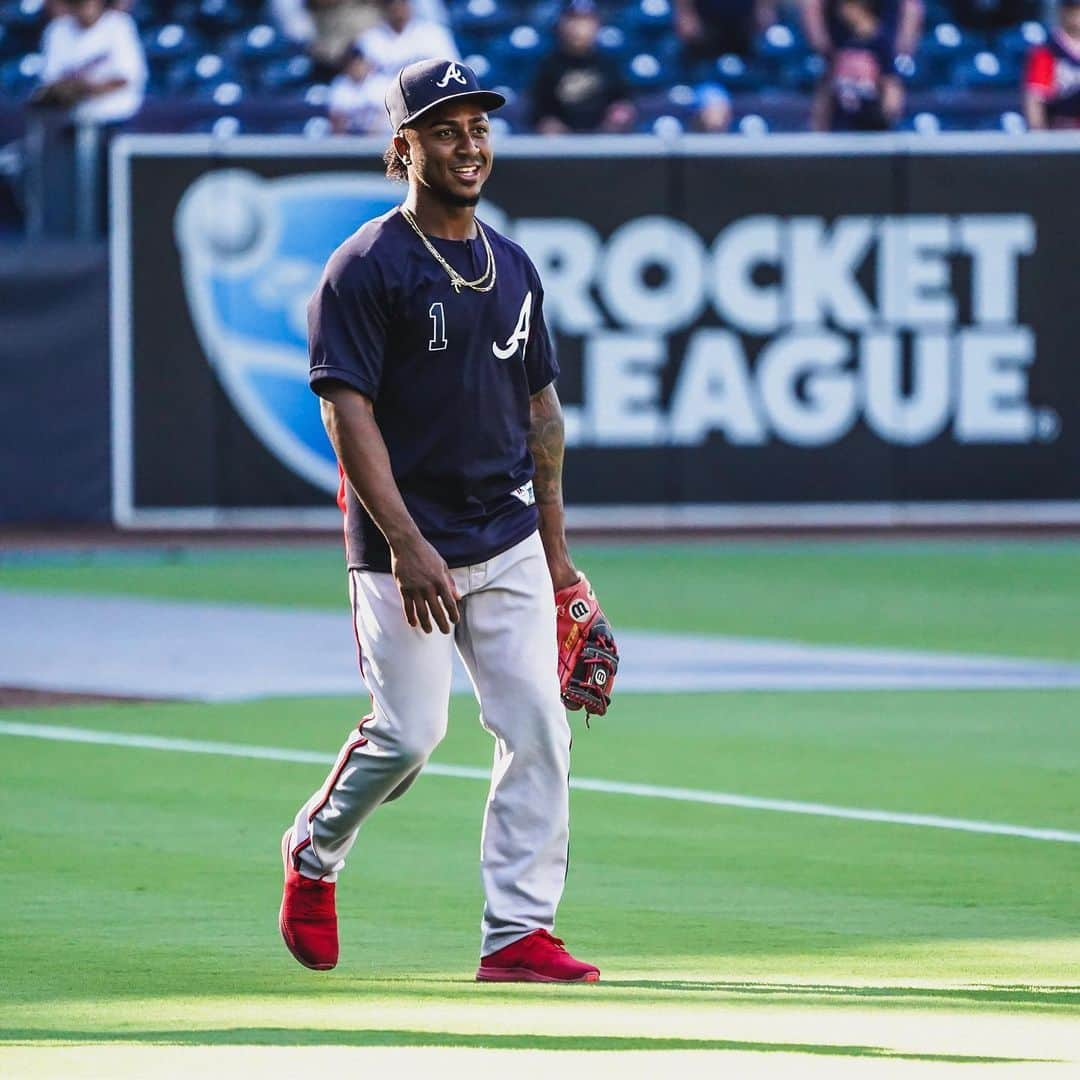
pixel 791 331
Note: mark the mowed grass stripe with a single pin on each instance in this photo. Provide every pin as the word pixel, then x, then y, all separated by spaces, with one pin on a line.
pixel 59 733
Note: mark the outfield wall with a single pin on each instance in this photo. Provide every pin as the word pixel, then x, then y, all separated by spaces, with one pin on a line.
pixel 797 330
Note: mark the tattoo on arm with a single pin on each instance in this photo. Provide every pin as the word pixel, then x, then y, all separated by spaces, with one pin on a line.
pixel 546 442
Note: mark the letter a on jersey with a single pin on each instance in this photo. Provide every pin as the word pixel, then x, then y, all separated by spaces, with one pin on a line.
pixel 521 332
pixel 452 72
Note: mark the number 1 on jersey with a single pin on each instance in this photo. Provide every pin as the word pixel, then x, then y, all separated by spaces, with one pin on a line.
pixel 438 328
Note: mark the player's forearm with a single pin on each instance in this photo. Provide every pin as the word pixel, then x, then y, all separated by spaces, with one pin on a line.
pixel 349 419
pixel 547 442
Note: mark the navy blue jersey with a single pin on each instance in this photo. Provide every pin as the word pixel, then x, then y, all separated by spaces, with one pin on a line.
pixel 450 375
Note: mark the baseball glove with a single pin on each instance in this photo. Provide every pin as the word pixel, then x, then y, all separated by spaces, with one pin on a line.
pixel 588 658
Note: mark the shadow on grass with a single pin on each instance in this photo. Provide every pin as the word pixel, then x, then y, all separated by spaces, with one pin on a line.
pixel 362 1037
pixel 644 990
pixel 1004 995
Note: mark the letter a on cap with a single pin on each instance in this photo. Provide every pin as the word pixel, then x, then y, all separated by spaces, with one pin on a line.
pixel 452 72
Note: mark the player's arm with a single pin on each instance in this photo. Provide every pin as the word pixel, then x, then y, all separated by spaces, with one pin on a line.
pixel 428 593
pixel 547 442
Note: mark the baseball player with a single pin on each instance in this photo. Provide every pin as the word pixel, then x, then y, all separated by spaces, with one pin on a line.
pixel 436 374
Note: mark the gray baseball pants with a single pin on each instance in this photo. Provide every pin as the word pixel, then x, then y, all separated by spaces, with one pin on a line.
pixel 506 638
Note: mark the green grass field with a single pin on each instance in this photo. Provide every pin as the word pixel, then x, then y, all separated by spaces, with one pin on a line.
pixel 141 887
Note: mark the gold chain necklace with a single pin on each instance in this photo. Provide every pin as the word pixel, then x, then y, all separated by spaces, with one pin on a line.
pixel 456 279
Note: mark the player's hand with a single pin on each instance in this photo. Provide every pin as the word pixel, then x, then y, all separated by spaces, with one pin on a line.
pixel 428 592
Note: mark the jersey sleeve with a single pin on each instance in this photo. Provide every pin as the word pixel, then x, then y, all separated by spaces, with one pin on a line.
pixel 347 321
pixel 53 67
pixel 128 58
pixel 541 367
pixel 1039 74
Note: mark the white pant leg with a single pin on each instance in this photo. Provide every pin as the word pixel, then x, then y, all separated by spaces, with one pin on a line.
pixel 507 640
pixel 408 673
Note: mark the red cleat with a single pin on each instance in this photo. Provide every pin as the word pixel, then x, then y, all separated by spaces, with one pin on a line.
pixel 308 918
pixel 537 957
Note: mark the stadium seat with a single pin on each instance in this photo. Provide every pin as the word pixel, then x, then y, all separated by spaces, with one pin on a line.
pixel 618 42
pixel 921 123
pixel 932 122
pixel 948 44
pixel 316 127
pixel 222 127
pixel 257 45
pixel 480 64
pixel 146 15
pixel 216 18
pixel 228 95
pixel 189 75
pixel 645 71
pixel 801 72
pixel 678 103
pixel 10 44
pixel 1015 43
pixel 24 22
pixel 501 72
pixel 935 12
pixel 650 19
pixel 516 113
pixel 226 52
pixel 916 73
pixel 483 18
pixel 544 15
pixel 752 124
pixel 780 43
pixel 735 73
pixel 285 76
pixel 1009 122
pixel 984 71
pixel 514 58
pixel 1013 123
pixel 170 42
pixel 20 77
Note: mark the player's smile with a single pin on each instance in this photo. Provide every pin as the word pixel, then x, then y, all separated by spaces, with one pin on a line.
pixel 455 151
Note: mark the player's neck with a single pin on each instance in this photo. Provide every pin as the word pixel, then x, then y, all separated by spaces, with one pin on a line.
pixel 441 220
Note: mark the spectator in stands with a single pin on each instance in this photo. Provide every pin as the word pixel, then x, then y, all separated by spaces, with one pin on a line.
pixel 1052 79
pixel 711 28
pixel 356 98
pixel 900 26
pixel 402 37
pixel 93 64
pixel 713 109
pixel 866 94
pixel 325 28
pixel 577 87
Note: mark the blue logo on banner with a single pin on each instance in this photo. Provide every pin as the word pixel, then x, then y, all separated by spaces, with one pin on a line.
pixel 252 251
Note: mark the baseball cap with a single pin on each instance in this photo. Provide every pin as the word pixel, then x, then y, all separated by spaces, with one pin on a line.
pixel 427 83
